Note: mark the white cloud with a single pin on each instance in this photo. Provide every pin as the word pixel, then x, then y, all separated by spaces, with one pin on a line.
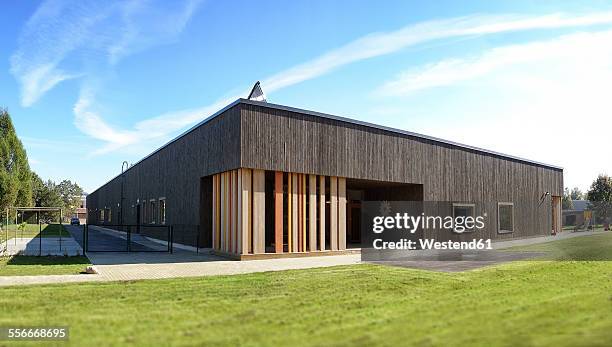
pixel 544 100
pixel 66 39
pixel 56 31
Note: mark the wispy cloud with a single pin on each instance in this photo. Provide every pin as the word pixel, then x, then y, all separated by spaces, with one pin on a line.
pixel 48 29
pixel 579 50
pixel 64 39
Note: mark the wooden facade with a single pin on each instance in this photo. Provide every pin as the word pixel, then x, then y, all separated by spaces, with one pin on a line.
pixel 252 157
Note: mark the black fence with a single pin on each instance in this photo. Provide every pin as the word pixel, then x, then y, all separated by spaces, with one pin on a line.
pixel 141 238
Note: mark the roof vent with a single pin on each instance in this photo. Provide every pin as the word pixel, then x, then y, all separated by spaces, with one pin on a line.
pixel 257 94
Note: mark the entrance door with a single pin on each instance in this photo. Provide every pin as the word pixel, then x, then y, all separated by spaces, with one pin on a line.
pixel 556 214
pixel 353 217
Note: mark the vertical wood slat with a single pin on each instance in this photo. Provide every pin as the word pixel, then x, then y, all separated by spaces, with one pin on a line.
pixel 278 211
pixel 223 212
pixel 259 235
pixel 233 210
pixel 333 213
pixel 312 212
pixel 300 207
pixel 304 213
pixel 341 213
pixel 246 230
pixel 239 212
pixel 215 195
pixel 322 213
pixel 289 214
pixel 294 214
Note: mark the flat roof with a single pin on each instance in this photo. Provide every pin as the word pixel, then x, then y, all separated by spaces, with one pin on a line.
pixel 341 119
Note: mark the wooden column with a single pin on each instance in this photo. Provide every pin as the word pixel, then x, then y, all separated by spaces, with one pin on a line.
pixel 294 214
pixel 246 215
pixel 322 213
pixel 233 211
pixel 312 212
pixel 304 213
pixel 223 211
pixel 259 206
pixel 289 214
pixel 333 213
pixel 300 215
pixel 278 212
pixel 341 213
pixel 215 195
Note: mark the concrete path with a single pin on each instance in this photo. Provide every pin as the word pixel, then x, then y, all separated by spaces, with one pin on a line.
pixel 41 246
pixel 543 239
pixel 107 240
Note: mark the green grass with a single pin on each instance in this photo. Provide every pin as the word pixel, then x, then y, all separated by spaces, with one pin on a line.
pixel 32 230
pixel 527 303
pixel 27 265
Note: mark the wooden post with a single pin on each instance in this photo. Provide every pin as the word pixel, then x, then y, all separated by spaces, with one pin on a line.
pixel 246 215
pixel 333 213
pixel 312 212
pixel 294 212
pixel 322 213
pixel 341 213
pixel 259 205
pixel 278 212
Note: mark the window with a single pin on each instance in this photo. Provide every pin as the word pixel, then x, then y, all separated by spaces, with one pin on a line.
pixel 505 217
pixel 143 210
pixel 153 211
pixel 108 214
pixel 162 210
pixel 464 210
pixel 101 218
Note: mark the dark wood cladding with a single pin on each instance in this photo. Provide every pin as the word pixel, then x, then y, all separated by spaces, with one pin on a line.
pixel 174 172
pixel 283 140
pixel 256 136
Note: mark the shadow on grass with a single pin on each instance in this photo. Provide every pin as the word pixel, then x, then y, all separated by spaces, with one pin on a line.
pixel 585 248
pixel 48 260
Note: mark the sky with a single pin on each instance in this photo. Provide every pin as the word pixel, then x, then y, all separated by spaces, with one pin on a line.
pixel 90 84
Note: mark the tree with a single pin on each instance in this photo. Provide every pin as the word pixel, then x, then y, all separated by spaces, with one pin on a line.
pixel 566 202
pixel 15 181
pixel 600 197
pixel 576 194
pixel 70 194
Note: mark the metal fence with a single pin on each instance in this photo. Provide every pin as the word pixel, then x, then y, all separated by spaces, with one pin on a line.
pixel 141 238
pixel 37 240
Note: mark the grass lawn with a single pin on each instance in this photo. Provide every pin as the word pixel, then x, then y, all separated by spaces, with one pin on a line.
pixel 26 265
pixel 32 230
pixel 527 303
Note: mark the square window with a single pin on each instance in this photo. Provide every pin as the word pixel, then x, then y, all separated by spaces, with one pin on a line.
pixel 463 211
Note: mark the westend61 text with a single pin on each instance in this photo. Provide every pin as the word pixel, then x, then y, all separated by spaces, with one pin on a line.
pixel 431 244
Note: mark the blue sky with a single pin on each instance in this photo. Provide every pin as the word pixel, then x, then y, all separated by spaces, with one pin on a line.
pixel 93 83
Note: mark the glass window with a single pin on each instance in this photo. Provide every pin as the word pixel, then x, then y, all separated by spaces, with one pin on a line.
pixel 162 211
pixel 463 211
pixel 153 211
pixel 505 217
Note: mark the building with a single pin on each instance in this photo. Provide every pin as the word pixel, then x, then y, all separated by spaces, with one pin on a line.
pixel 257 177
pixel 579 216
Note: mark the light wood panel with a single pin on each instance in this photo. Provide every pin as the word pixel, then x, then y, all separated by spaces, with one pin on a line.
pixel 322 213
pixel 341 213
pixel 278 212
pixel 333 212
pixel 294 212
pixel 259 205
pixel 246 216
pixel 312 212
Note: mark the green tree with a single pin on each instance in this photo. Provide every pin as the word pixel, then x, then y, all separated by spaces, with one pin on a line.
pixel 566 202
pixel 600 197
pixel 15 181
pixel 576 194
pixel 70 194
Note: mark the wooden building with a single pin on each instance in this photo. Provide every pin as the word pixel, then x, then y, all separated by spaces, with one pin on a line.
pixel 263 178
